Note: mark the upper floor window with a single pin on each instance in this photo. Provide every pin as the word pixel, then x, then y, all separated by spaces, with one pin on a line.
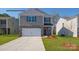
pixel 47 20
pixel 31 18
pixel 2 21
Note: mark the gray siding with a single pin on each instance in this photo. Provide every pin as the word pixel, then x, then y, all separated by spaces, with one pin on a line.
pixel 24 23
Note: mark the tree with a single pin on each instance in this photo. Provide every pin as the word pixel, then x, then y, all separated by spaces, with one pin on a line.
pixel 4 15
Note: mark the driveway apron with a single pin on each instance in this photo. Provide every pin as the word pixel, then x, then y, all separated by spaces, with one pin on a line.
pixel 24 44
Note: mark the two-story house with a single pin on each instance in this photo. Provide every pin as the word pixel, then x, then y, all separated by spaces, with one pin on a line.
pixel 34 22
pixel 7 25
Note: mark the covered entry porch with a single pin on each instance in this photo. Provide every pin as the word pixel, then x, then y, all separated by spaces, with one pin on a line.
pixel 47 31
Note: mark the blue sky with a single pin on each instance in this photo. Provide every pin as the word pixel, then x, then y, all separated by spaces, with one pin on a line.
pixel 60 11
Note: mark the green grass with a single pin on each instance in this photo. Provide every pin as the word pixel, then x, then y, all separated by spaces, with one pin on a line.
pixel 7 38
pixel 56 44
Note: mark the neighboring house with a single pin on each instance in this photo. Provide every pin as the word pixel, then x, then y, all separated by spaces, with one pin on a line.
pixel 34 22
pixel 68 26
pixel 7 24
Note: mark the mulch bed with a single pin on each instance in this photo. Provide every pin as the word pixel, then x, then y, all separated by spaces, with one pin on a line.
pixel 70 45
pixel 53 37
pixel 78 36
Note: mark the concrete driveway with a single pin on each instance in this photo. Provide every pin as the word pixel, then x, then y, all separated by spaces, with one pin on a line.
pixel 24 44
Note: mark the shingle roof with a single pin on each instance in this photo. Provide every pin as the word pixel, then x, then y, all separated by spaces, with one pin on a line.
pixel 35 9
pixel 68 17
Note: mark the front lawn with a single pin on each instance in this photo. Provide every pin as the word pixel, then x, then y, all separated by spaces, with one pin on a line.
pixel 57 43
pixel 7 38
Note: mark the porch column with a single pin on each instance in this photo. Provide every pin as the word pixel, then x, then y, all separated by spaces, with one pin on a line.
pixel 52 27
pixel 52 30
pixel 6 26
pixel 42 29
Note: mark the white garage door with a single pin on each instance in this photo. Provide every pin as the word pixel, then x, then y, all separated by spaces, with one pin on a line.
pixel 31 32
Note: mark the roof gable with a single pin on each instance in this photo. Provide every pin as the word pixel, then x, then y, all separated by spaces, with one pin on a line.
pixel 69 18
pixel 34 11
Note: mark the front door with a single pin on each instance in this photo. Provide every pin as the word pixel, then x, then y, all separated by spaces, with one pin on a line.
pixel 47 31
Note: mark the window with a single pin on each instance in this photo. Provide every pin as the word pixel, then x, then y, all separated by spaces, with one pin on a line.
pixel 2 21
pixel 31 18
pixel 47 20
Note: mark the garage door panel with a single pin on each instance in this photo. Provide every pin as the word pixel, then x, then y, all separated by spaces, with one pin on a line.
pixel 31 32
